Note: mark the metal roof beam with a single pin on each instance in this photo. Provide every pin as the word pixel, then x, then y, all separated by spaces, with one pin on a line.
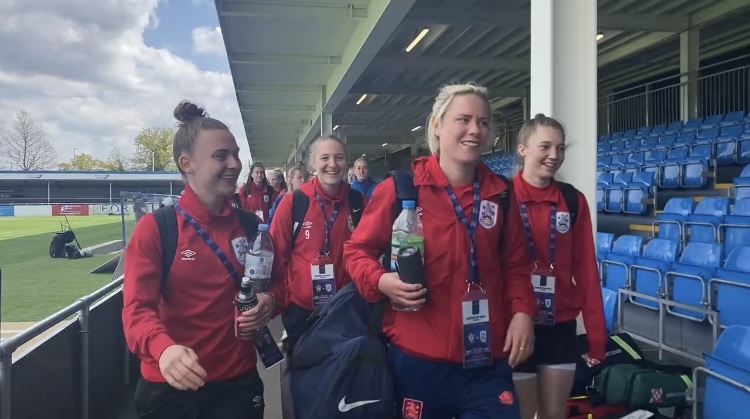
pixel 505 17
pixel 417 90
pixel 281 59
pixel 276 88
pixel 307 10
pixel 384 109
pixel 451 63
pixel 383 18
pixel 634 46
pixel 278 108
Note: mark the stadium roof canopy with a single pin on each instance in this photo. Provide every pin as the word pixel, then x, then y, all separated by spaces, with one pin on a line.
pixel 292 59
pixel 93 176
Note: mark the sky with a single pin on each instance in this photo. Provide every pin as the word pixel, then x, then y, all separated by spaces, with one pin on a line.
pixel 95 72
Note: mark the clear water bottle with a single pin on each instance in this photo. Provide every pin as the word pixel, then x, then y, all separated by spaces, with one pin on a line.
pixel 406 233
pixel 259 259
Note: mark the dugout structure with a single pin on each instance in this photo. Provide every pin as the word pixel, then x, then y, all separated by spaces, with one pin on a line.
pixel 135 205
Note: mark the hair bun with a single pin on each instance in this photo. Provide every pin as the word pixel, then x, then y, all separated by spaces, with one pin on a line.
pixel 187 111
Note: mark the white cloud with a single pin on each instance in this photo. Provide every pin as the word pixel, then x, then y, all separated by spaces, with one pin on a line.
pixel 81 68
pixel 209 41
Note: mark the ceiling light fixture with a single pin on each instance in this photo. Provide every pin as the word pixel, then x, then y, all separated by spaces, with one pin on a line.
pixel 384 144
pixel 599 36
pixel 362 98
pixel 418 127
pixel 417 39
pixel 336 127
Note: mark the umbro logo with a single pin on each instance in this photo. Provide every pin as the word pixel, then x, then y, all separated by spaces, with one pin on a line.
pixel 188 254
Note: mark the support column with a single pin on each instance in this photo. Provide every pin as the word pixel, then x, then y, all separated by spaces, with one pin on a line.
pixel 564 86
pixel 689 63
pixel 326 123
pixel 48 194
pixel 110 191
pixel 564 83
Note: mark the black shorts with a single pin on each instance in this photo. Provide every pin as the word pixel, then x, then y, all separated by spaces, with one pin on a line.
pixel 553 345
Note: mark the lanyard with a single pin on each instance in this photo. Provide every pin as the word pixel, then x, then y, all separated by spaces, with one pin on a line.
pixel 329 223
pixel 471 227
pixel 209 241
pixel 529 238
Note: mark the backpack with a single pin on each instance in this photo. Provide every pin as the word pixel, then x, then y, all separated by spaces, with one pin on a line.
pixel 301 203
pixel 166 221
pixel 57 245
pixel 570 195
pixel 338 364
pixel 620 349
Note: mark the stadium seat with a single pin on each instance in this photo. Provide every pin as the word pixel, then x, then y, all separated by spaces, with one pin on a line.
pixel 702 225
pixel 684 140
pixel 634 163
pixel 638 189
pixel 615 264
pixel 672 128
pixel 648 143
pixel 602 183
pixel 733 118
pixel 615 193
pixel 687 281
pixel 666 141
pixel 603 244
pixel 671 220
pixel 743 146
pixel 649 271
pixel 726 144
pixel 653 159
pixel 670 170
pixel 712 121
pixel 734 231
pixel 730 359
pixel 692 124
pixel 742 184
pixel 610 300
pixel 730 290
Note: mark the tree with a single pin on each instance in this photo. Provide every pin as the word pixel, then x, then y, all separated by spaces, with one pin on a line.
pixel 83 161
pixel 117 161
pixel 158 141
pixel 25 146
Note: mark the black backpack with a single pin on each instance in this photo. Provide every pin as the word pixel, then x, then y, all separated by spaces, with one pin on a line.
pixel 58 243
pixel 570 195
pixel 301 203
pixel 166 221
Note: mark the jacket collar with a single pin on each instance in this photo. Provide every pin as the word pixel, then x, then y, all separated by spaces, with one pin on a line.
pixel 193 206
pixel 309 189
pixel 427 172
pixel 527 192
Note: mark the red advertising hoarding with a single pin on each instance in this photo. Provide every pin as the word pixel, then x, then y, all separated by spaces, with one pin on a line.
pixel 70 209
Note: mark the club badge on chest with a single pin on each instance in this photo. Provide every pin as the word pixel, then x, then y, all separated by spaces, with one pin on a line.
pixel 323 280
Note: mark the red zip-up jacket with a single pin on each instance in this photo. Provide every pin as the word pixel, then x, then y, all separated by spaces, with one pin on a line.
pixel 198 311
pixel 575 258
pixel 258 200
pixel 435 331
pixel 292 264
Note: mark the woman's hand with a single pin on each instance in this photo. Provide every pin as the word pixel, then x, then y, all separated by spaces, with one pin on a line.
pixel 520 339
pixel 399 292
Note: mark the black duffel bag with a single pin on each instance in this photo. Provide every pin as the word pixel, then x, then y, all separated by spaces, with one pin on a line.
pixel 621 349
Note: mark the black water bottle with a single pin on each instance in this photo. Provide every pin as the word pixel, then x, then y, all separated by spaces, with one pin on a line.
pixel 411 266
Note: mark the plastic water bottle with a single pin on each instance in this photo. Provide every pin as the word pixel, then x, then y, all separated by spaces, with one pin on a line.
pixel 406 233
pixel 259 259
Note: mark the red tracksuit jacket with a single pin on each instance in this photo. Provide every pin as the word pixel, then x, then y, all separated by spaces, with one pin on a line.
pixel 575 257
pixel 292 264
pixel 199 311
pixel 258 200
pixel 435 331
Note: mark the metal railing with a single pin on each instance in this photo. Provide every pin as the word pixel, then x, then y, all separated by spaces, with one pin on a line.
pixel 8 346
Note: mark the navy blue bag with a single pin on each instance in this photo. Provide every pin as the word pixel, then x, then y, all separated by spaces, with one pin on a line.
pixel 339 366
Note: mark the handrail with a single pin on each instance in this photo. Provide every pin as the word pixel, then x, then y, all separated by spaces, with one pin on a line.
pixel 8 346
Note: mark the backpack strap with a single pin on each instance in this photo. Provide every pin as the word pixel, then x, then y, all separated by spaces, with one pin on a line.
pixel 505 198
pixel 166 222
pixel 356 202
pixel 248 221
pixel 236 201
pixel 570 195
pixel 300 204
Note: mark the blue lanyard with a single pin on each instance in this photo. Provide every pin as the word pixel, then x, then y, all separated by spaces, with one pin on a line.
pixel 329 223
pixel 471 228
pixel 209 241
pixel 529 238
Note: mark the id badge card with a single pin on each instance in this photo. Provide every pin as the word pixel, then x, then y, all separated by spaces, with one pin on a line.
pixel 323 281
pixel 268 349
pixel 476 330
pixel 543 282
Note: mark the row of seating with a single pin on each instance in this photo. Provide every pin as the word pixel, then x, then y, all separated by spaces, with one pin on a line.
pixel 697 276
pixel 693 124
pixel 730 360
pixel 713 220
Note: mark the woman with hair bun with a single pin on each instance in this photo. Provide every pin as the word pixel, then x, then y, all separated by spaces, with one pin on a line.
pixel 178 319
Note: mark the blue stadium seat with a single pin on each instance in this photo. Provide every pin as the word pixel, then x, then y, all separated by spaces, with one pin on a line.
pixel 603 244
pixel 634 163
pixel 652 160
pixel 672 128
pixel 702 226
pixel 726 145
pixel 712 121
pixel 615 193
pixel 671 220
pixel 666 141
pixel 730 359
pixel 609 298
pixel 685 140
pixel 733 118
pixel 638 189
pixel 617 146
pixel 658 129
pixel 742 184
pixel 692 124
pixel 629 134
pixel 730 290
pixel 670 169
pixel 649 271
pixel 735 229
pixel 602 183
pixel 643 132
pixel 648 143
pixel 743 146
pixel 694 165
pixel 687 281
pixel 615 263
